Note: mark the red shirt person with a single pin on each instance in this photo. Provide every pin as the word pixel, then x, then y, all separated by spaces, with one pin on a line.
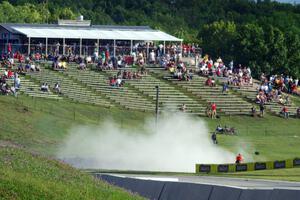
pixel 239 159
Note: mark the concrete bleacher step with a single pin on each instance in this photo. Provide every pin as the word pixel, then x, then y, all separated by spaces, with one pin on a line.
pixel 99 82
pixel 69 88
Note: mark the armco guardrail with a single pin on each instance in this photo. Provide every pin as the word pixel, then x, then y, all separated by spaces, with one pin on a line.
pixel 159 190
pixel 224 168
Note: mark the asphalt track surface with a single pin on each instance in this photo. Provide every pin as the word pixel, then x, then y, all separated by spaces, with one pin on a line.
pixel 241 183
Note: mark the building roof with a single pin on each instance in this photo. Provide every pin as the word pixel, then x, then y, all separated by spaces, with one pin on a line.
pixel 104 32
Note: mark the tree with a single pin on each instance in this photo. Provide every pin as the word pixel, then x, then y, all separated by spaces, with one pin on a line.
pixel 251 48
pixel 277 55
pixel 293 53
pixel 218 39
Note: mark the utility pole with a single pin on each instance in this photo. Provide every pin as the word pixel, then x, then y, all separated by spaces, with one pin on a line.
pixel 157 104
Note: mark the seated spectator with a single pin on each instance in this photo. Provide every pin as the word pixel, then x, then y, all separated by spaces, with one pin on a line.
pixel 112 81
pixel 119 82
pixel 253 111
pixel 57 88
pixel 45 87
pixel 10 74
pixel 136 75
pixel 219 129
pixel 82 66
pixel 208 110
pixel 183 107
pixel 284 112
pixel 5 73
pixel 32 67
pixel 38 68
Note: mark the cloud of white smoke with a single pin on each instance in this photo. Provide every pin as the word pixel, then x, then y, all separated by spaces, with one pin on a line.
pixel 178 143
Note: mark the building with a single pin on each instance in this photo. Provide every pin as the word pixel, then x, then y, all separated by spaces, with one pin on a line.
pixel 77 36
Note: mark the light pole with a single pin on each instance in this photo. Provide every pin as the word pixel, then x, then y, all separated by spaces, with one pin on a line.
pixel 157 105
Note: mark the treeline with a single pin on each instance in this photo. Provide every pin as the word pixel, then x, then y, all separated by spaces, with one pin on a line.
pixel 261 34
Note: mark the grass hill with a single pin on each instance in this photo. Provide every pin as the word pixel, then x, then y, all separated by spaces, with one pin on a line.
pixel 25 175
pixel 32 128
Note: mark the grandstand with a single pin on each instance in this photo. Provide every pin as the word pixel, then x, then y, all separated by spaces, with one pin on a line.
pixel 92 87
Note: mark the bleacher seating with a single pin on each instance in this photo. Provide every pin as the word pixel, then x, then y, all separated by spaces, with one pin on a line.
pixel 170 98
pixel 123 96
pixel 69 88
pixel 227 103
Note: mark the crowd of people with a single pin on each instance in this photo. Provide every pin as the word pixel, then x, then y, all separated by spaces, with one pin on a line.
pixel 119 79
pixel 235 75
pixel 276 89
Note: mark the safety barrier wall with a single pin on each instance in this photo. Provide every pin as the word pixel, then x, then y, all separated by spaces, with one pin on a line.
pixel 159 190
pixel 224 168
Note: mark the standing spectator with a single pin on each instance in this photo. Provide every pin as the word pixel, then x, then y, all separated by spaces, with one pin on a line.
pixel 225 88
pixel 262 108
pixel 239 159
pixel 214 138
pixel 253 111
pixel 298 112
pixel 214 111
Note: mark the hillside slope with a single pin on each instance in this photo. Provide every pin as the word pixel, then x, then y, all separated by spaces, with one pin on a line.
pixel 25 175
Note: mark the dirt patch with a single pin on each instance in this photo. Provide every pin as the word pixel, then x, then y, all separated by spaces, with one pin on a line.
pixel 6 143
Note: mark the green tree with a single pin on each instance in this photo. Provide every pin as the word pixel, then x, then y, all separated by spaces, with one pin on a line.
pixel 251 48
pixel 277 55
pixel 218 39
pixel 293 54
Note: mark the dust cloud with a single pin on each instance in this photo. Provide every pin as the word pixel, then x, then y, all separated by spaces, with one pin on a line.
pixel 175 144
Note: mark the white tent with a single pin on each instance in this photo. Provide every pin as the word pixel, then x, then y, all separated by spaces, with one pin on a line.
pixel 95 33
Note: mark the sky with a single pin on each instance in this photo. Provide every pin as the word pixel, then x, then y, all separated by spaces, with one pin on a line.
pixel 289 1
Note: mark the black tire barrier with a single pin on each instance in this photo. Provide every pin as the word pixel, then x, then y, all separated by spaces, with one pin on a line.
pixel 160 190
pixel 224 168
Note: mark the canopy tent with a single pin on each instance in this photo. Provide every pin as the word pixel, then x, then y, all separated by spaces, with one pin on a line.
pixel 95 33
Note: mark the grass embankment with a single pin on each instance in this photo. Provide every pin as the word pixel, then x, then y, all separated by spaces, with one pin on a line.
pixel 273 137
pixel 39 127
pixel 25 176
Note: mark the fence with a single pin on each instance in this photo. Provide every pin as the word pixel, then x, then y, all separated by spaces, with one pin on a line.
pixel 225 168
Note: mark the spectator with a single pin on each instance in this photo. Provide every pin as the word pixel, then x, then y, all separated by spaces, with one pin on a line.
pixel 82 66
pixel 298 112
pixel 225 88
pixel 253 111
pixel 214 138
pixel 239 159
pixel 214 111
pixel 262 109
pixel 45 87
pixel 183 107
pixel 57 88
pixel 284 112
pixel 208 110
pixel 17 83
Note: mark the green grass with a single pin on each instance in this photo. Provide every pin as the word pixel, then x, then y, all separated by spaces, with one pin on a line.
pixel 273 137
pixel 25 176
pixel 40 125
